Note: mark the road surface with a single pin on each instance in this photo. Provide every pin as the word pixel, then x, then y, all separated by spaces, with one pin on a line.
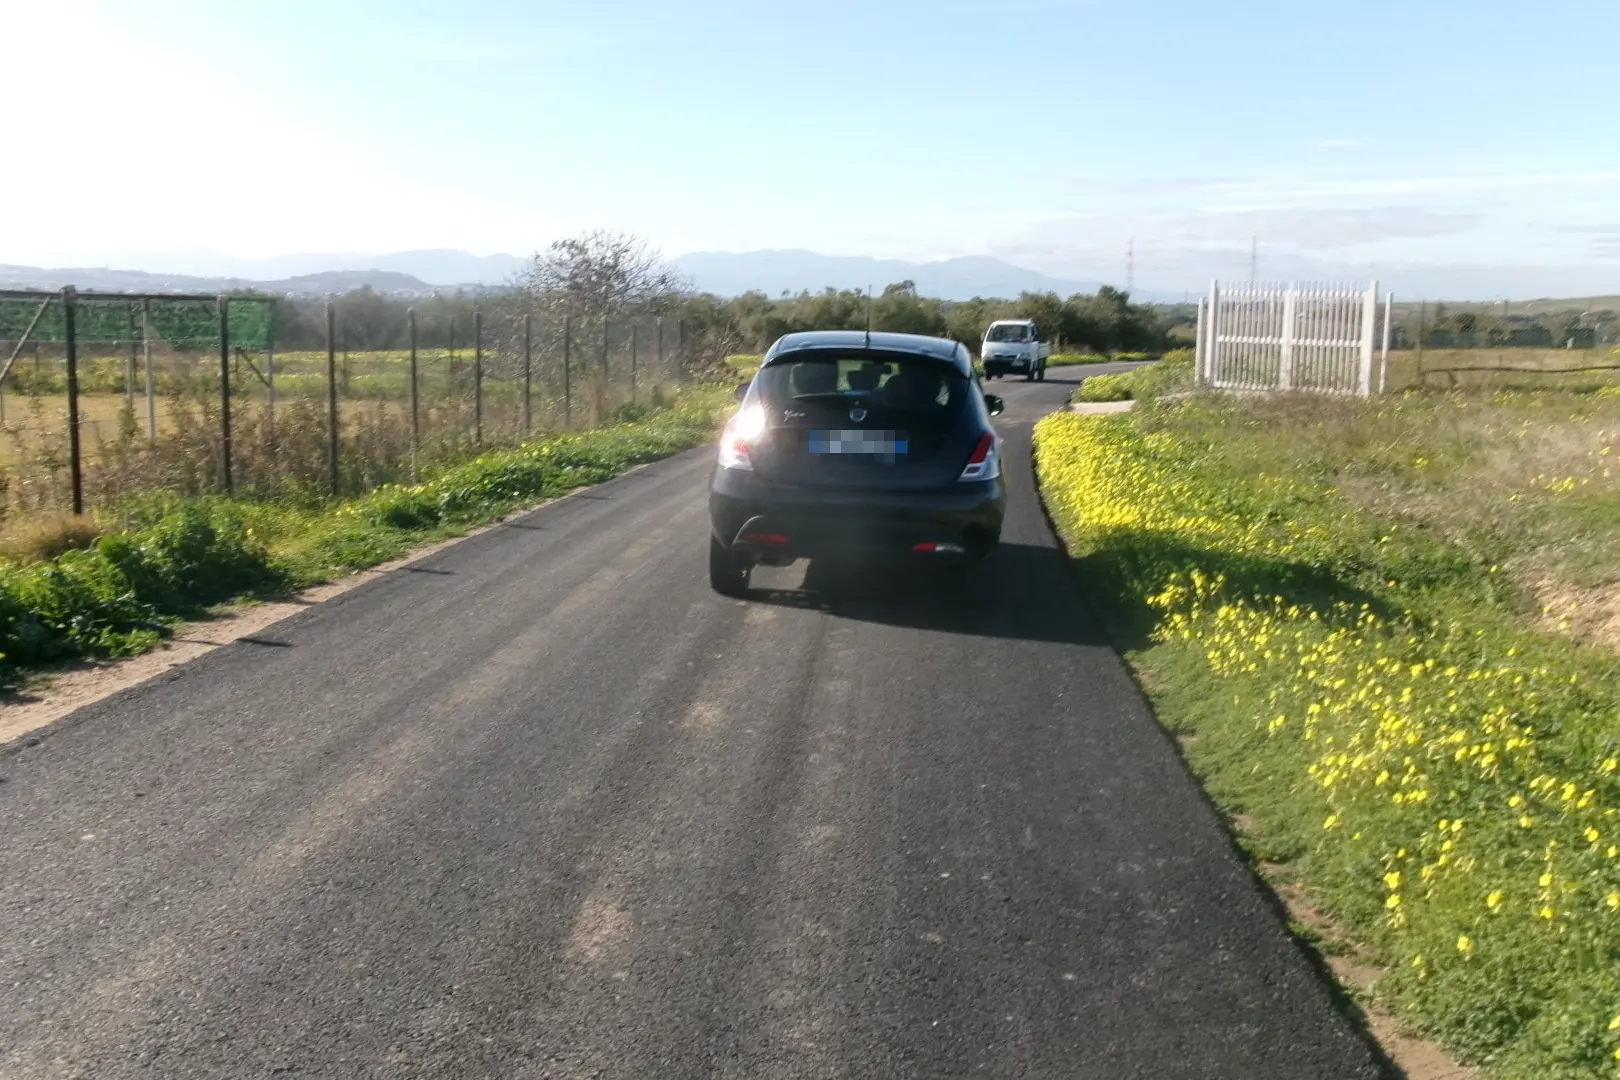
pixel 545 806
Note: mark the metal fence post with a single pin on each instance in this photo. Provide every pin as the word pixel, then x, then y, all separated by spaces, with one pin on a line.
pixel 602 380
pixel 633 329
pixel 478 377
pixel 129 368
pixel 568 390
pixel 528 377
pixel 151 384
pixel 270 364
pixel 71 340
pixel 225 392
pixel 416 401
pixel 331 397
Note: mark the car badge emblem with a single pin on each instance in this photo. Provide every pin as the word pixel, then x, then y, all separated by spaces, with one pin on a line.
pixel 857 415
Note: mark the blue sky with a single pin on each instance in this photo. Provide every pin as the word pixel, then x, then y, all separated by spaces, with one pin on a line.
pixel 1423 138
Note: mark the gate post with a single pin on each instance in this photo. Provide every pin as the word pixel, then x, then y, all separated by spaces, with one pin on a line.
pixel 1369 323
pixel 1214 350
pixel 1289 320
pixel 1200 349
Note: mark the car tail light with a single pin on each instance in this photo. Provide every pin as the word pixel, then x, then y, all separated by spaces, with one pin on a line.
pixel 769 539
pixel 985 464
pixel 744 428
pixel 734 452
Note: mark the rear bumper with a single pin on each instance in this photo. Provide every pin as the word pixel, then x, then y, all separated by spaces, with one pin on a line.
pixel 781 523
pixel 997 367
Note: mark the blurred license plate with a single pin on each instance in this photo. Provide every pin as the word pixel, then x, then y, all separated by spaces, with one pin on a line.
pixel 883 444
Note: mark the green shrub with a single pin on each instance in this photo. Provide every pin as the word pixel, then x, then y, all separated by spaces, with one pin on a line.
pixel 180 555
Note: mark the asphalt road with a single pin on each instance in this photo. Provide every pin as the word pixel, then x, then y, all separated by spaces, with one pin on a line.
pixel 545 806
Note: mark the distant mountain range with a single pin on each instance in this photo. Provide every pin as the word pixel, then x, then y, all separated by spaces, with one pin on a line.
pixel 423 272
pixel 776 272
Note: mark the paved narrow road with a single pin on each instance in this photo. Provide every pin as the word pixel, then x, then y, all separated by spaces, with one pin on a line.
pixel 544 806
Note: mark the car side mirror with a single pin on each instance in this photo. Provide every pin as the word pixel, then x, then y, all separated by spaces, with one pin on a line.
pixel 994 404
pixel 742 391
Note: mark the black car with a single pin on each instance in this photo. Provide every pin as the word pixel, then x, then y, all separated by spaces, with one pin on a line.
pixel 856 445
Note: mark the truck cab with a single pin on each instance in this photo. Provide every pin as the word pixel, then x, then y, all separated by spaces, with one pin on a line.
pixel 1014 346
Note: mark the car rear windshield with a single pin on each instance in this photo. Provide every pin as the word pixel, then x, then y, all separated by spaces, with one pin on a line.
pixel 919 387
pixel 1008 333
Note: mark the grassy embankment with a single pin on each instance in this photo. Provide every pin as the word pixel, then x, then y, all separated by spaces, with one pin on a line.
pixel 114 585
pixel 1386 633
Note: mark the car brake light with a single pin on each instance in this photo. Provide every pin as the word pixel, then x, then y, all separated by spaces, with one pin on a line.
pixel 985 464
pixel 771 539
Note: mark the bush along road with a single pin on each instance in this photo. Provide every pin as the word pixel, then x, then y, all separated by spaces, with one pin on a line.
pixel 1345 609
pixel 543 804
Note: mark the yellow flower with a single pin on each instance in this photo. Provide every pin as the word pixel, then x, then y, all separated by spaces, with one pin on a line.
pixel 1331 822
pixel 1393 902
pixel 1614 901
pixel 1547 912
pixel 1614 1025
pixel 1494 901
pixel 1592 835
pixel 1393 879
pixel 1464 945
pixel 1545 880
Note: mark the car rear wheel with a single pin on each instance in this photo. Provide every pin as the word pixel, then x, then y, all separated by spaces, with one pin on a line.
pixel 728 571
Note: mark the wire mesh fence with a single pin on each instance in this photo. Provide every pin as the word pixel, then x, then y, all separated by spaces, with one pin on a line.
pixel 191 395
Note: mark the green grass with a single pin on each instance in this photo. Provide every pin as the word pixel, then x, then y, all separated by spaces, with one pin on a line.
pixel 1349 604
pixel 1172 374
pixel 177 556
pixel 1073 359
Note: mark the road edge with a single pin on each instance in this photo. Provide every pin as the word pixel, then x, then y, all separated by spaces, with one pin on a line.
pixel 87 682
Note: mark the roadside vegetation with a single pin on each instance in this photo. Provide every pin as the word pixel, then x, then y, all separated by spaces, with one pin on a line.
pixel 115 583
pixel 1171 375
pixel 1388 634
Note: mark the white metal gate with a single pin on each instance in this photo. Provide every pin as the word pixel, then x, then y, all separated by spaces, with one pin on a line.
pixel 1292 337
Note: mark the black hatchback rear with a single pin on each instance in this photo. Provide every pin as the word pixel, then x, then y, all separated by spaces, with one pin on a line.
pixel 859 446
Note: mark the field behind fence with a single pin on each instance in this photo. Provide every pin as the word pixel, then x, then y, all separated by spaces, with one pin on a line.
pixel 173 413
pixel 1505 368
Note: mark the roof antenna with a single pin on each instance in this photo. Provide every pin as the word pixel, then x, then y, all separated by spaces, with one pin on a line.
pixel 869 316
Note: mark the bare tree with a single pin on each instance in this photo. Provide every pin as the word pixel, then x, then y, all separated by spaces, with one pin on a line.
pixel 602 274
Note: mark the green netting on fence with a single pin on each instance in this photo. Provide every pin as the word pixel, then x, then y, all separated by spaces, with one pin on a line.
pixel 106 320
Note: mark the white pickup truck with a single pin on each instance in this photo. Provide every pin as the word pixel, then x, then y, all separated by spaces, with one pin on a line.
pixel 1014 345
